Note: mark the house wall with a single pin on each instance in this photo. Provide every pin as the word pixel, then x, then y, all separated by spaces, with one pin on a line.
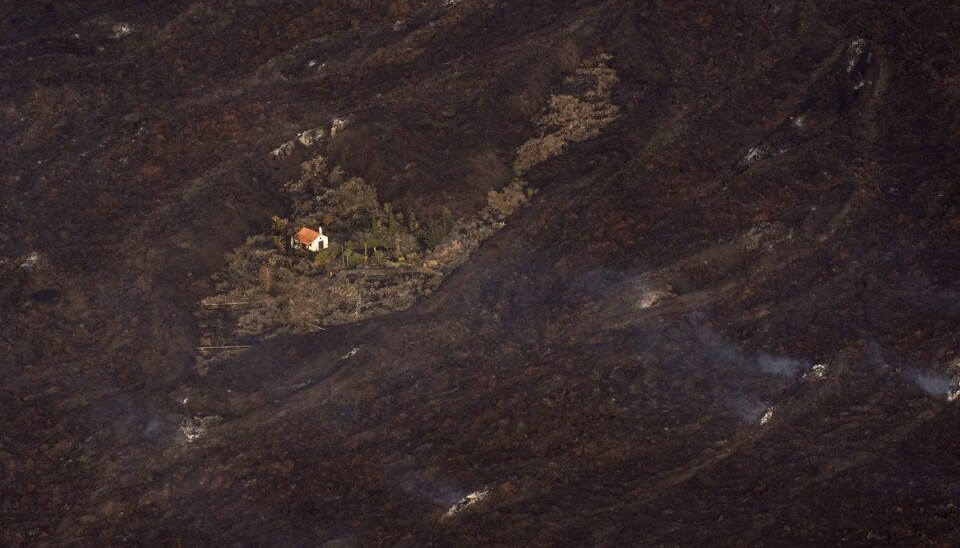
pixel 320 243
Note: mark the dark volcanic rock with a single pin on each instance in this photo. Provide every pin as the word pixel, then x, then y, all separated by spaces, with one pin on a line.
pixel 730 317
pixel 47 296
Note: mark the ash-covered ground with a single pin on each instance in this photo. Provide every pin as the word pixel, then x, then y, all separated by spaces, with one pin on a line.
pixel 720 304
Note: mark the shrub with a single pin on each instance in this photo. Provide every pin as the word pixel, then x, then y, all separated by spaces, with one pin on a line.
pixel 324 257
pixel 433 234
pixel 437 229
pixel 347 253
pixel 355 260
pixel 280 225
pixel 376 238
pixel 506 201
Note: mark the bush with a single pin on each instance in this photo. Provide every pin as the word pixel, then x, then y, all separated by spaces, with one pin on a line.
pixel 506 201
pixel 437 229
pixel 355 260
pixel 324 257
pixel 280 225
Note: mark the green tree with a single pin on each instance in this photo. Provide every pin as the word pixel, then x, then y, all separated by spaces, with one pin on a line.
pixel 376 237
pixel 437 229
pixel 281 229
pixel 324 257
pixel 280 225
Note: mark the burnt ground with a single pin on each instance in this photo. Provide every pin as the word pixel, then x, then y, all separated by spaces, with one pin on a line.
pixel 730 318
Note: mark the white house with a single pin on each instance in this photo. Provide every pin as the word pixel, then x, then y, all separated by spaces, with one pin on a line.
pixel 314 240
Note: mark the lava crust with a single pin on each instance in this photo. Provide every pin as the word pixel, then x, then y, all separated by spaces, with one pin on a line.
pixel 718 302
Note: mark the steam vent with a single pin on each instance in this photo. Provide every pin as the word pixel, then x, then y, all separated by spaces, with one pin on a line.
pixel 346 273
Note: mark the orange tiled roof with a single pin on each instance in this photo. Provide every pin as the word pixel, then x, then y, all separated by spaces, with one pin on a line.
pixel 306 236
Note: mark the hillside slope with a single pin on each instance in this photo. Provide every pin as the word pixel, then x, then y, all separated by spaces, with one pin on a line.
pixel 728 316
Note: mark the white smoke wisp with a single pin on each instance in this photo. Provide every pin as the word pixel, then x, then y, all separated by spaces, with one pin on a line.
pixel 770 364
pixel 781 365
pixel 750 411
pixel 934 384
pixel 418 483
pixel 875 356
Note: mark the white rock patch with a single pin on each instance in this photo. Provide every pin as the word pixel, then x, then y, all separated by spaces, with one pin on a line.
pixel 197 427
pixel 650 299
pixel 284 150
pixel 466 502
pixel 337 126
pixel 817 372
pixel 766 416
pixel 955 393
pixel 120 30
pixel 31 261
pixel 856 49
pixel 311 137
pixel 754 154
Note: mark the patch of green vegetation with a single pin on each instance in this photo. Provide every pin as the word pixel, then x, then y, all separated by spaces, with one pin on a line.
pixel 437 229
pixel 327 256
